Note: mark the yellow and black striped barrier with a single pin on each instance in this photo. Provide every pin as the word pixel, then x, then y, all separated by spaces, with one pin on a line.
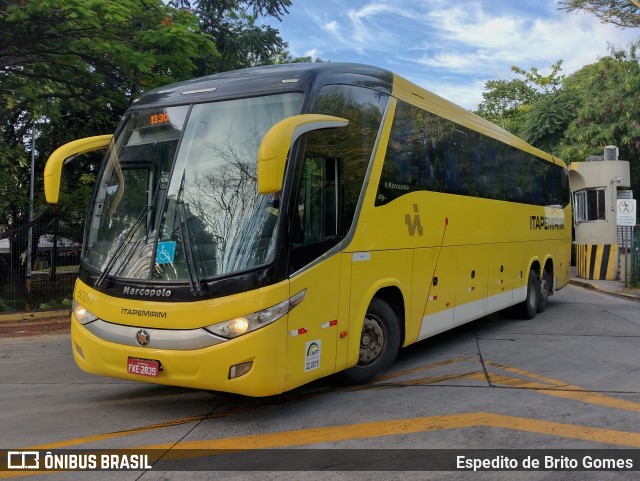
pixel 597 261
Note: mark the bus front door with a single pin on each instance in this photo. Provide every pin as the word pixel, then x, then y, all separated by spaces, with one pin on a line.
pixel 313 324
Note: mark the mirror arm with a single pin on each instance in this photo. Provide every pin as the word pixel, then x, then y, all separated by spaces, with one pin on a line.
pixel 53 168
pixel 275 145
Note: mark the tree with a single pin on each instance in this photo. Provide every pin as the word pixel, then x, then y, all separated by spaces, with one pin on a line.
pixel 624 13
pixel 577 116
pixel 507 102
pixel 547 120
pixel 232 24
pixel 64 50
pixel 72 67
pixel 549 113
pixel 543 84
pixel 607 109
pixel 286 57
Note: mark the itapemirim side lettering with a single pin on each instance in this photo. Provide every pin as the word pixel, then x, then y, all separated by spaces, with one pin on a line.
pixel 541 222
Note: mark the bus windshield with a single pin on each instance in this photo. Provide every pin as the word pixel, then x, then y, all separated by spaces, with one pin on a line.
pixel 177 197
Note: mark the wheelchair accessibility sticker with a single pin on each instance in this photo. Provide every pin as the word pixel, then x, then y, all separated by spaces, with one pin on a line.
pixel 166 252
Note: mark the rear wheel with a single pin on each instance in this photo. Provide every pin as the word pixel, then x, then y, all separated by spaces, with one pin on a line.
pixel 545 290
pixel 379 343
pixel 529 307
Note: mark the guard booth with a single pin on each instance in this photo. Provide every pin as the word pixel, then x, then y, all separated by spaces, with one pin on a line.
pixel 597 184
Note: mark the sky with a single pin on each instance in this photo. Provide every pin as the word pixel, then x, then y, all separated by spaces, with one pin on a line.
pixel 450 47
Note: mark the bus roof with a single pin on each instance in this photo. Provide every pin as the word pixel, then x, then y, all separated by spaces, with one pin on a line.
pixel 267 79
pixel 301 76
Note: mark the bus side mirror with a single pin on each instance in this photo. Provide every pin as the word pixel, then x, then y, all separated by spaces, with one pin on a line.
pixel 53 168
pixel 275 145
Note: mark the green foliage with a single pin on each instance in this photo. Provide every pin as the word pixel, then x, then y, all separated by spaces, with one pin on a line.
pixel 507 103
pixel 624 13
pixel 233 26
pixel 544 84
pixel 14 180
pixel 547 120
pixel 72 68
pixel 607 110
pixel 286 57
pixel 91 52
pixel 609 105
pixel 55 304
pixel 578 115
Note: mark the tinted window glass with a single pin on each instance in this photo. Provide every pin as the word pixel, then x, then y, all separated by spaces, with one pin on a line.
pixel 333 170
pixel 427 152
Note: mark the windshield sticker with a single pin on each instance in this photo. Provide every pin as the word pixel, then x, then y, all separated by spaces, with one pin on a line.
pixel 166 252
pixel 312 357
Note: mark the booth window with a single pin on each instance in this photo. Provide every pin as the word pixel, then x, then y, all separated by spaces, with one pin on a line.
pixel 590 205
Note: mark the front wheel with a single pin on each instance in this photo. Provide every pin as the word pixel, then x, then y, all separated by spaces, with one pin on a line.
pixel 379 343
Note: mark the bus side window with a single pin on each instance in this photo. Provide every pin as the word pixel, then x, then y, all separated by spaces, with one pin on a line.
pixel 317 214
pixel 315 217
pixel 333 171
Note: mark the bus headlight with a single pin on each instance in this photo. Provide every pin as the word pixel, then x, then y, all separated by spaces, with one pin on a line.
pixel 81 314
pixel 245 324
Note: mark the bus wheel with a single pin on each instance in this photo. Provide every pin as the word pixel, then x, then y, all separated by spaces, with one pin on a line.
pixel 528 308
pixel 545 289
pixel 379 343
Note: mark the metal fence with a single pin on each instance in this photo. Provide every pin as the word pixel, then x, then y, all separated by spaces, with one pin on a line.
pixel 38 265
pixel 634 258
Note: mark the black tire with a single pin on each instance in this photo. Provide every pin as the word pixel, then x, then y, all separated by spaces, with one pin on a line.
pixel 545 290
pixel 528 308
pixel 379 343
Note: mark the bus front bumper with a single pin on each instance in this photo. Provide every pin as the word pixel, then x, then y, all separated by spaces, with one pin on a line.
pixel 208 368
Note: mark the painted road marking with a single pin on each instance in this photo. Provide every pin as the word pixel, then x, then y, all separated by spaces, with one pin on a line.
pixel 542 384
pixel 378 429
pixel 525 380
pixel 397 427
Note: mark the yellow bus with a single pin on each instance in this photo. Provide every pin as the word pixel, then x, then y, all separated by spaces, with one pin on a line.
pixel 252 231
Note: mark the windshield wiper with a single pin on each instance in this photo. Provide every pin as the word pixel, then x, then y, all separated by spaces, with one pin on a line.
pixel 124 242
pixel 194 281
pixel 128 236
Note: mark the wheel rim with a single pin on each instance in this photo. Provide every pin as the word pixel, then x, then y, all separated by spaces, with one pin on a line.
pixel 372 340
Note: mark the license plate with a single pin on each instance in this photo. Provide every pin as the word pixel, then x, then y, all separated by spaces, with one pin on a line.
pixel 143 367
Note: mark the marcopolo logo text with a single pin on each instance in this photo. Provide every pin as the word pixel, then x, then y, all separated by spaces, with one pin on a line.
pixel 142 291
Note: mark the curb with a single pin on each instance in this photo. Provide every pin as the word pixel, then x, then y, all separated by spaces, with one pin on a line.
pixel 32 316
pixel 588 285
